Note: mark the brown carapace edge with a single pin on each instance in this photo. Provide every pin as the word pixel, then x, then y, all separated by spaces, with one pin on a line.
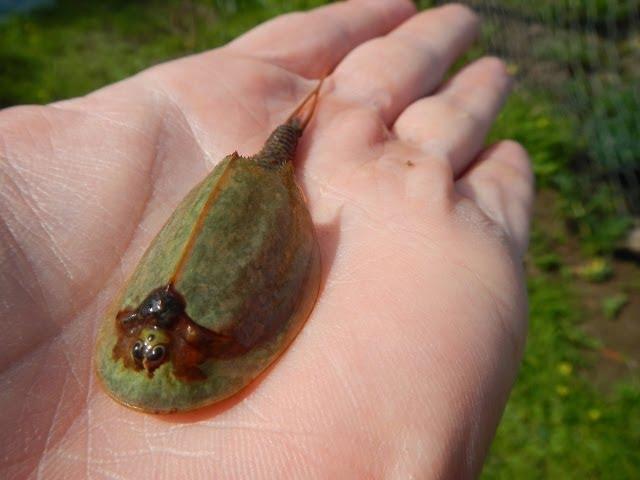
pixel 159 329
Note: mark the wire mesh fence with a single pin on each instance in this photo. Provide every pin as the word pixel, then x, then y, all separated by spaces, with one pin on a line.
pixel 585 55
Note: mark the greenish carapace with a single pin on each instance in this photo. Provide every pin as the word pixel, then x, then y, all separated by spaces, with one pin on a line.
pixel 223 288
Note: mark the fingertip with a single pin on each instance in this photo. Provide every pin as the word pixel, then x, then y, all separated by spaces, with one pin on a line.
pixel 495 66
pixel 500 71
pixel 462 11
pixel 488 73
pixel 510 161
pixel 517 157
pixel 394 12
pixel 501 183
pixel 401 6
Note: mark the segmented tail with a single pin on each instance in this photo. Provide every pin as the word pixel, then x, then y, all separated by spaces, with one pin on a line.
pixel 280 147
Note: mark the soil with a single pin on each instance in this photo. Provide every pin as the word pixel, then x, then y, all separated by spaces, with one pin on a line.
pixel 618 356
pixel 540 53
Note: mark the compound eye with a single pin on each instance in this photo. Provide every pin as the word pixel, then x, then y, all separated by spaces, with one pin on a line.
pixel 151 306
pixel 156 354
pixel 138 351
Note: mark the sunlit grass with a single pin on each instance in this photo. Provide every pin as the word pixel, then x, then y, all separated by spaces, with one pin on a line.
pixel 557 426
pixel 76 47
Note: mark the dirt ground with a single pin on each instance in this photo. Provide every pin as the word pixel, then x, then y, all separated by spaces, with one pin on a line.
pixel 618 354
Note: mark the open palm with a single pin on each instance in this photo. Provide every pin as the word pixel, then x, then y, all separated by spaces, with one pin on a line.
pixel 404 366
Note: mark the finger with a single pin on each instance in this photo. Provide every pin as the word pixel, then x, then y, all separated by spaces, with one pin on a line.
pixel 312 43
pixel 500 182
pixel 390 72
pixel 455 121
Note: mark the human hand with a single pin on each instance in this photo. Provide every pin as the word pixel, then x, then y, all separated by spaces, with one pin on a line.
pixel 405 364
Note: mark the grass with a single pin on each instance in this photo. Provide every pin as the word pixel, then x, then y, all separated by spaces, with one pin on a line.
pixel 597 15
pixel 74 47
pixel 557 152
pixel 557 424
pixel 613 305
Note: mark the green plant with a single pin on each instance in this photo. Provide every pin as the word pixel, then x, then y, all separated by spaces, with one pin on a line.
pixel 599 14
pixel 614 304
pixel 531 119
pixel 595 270
pixel 554 143
pixel 556 424
pixel 71 48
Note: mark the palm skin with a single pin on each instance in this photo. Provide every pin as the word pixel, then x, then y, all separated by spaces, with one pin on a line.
pixel 405 364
